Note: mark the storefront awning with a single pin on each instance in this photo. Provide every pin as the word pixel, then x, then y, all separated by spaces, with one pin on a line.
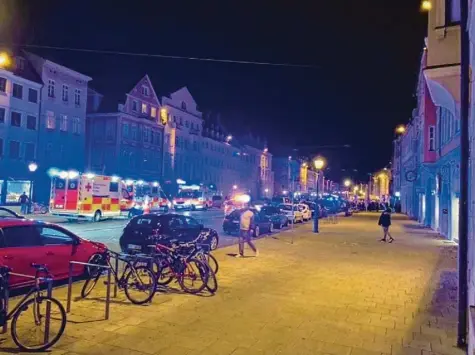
pixel 442 97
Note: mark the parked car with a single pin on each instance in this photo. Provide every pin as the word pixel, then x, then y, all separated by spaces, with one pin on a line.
pixel 217 201
pixel 276 201
pixel 277 217
pixel 147 229
pixel 292 212
pixel 260 223
pixel 26 241
pixel 306 212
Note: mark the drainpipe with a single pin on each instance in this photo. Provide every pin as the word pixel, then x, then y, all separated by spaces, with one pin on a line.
pixel 38 139
pixel 464 176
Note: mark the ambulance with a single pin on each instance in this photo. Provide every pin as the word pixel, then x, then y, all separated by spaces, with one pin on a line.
pixel 142 197
pixel 84 196
pixel 192 197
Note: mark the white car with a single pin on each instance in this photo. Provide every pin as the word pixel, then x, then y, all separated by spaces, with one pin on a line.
pixel 294 215
pixel 306 212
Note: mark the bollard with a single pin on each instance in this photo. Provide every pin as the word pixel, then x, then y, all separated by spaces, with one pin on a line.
pixel 48 310
pixel 70 288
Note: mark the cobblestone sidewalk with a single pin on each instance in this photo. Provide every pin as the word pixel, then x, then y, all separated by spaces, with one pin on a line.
pixel 340 292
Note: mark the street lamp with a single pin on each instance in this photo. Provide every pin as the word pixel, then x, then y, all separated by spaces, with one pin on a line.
pixel 347 183
pixel 426 5
pixel 32 167
pixel 318 163
pixel 4 59
pixel 235 187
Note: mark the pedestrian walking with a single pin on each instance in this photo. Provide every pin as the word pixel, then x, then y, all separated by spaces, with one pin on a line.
pixel 385 223
pixel 245 222
pixel 23 203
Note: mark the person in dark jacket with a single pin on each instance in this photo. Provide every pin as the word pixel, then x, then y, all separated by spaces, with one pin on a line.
pixel 385 223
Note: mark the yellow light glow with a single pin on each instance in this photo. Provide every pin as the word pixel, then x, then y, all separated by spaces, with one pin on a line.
pixel 355 188
pixel 4 59
pixel 319 163
pixel 426 5
pixel 400 129
pixel 347 182
pixel 164 116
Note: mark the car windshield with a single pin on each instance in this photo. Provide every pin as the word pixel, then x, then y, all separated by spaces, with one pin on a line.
pixel 189 194
pixel 145 221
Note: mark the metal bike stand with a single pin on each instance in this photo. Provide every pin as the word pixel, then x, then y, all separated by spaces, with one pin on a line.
pixel 48 309
pixel 70 285
pixel 117 271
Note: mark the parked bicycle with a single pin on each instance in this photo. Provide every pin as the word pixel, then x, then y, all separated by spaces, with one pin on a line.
pixel 138 281
pixel 38 208
pixel 201 253
pixel 37 322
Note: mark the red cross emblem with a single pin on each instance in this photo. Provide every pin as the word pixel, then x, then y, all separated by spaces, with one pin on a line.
pixel 88 187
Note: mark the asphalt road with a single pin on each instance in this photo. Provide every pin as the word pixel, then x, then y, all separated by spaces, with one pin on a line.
pixel 109 231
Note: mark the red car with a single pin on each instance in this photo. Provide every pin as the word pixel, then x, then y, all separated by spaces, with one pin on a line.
pixel 25 241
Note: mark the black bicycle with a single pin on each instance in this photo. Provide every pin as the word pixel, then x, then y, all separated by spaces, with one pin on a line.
pixel 42 326
pixel 138 282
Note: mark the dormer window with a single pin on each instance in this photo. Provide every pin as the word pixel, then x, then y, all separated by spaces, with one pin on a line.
pixel 183 105
pixel 135 106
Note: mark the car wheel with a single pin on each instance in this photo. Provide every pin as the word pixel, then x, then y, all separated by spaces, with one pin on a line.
pixel 257 232
pixel 97 216
pixel 213 244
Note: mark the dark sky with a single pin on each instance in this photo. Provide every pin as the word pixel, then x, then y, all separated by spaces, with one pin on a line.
pixel 365 56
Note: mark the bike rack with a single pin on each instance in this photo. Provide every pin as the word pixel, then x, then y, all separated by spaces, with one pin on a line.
pixel 108 293
pixel 48 306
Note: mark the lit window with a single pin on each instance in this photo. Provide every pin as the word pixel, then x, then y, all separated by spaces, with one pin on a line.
pixel 153 111
pixel 63 123
pixel 77 97
pixel 50 88
pixel 452 12
pixel 144 108
pixel 15 119
pixel 50 120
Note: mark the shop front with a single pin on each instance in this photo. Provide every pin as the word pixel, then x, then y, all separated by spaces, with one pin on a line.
pixel 11 190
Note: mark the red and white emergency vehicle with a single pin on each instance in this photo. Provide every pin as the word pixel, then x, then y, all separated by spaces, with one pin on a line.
pixel 192 197
pixel 88 196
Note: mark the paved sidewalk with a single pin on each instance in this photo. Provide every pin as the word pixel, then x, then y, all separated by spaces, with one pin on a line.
pixel 340 292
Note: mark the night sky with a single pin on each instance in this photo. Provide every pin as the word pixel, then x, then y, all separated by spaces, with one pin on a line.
pixel 364 57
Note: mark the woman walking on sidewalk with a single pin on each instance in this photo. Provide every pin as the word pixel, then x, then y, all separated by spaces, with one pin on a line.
pixel 385 223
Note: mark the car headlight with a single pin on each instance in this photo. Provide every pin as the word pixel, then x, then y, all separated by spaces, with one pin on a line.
pixel 187 203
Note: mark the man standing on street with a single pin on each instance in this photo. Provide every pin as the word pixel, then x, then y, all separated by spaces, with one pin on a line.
pixel 245 232
pixel 23 203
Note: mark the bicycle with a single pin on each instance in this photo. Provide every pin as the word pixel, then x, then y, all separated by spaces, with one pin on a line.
pixel 200 252
pixel 171 264
pixel 53 314
pixel 133 278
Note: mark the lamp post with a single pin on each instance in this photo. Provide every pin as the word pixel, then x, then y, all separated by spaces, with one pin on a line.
pixel 32 167
pixel 318 163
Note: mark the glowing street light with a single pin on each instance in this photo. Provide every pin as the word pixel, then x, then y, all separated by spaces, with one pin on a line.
pixel 319 164
pixel 4 59
pixel 32 167
pixel 426 5
pixel 235 187
pixel 355 189
pixel 229 138
pixel 401 129
pixel 347 183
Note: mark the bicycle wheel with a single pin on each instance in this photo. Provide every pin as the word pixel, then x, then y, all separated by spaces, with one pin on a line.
pixel 212 282
pixel 89 285
pixel 195 272
pixel 212 262
pixel 29 329
pixel 140 285
pixel 163 273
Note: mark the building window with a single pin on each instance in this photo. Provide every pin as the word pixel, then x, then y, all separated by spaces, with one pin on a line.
pixel 183 105
pixel 3 84
pixel 2 115
pixel 50 120
pixel 14 150
pixel 15 119
pixel 17 91
pixel 431 138
pixel 63 123
pixel 145 91
pixel 133 132
pixel 77 97
pixel 144 108
pixel 452 12
pixel 20 63
pixel 146 133
pixel 49 150
pixel 33 95
pixel 65 94
pixel 50 88
pixel 135 106
pixel 76 125
pixel 187 124
pixel 125 130
pixel 153 111
pixel 29 151
pixel 1 148
pixel 31 122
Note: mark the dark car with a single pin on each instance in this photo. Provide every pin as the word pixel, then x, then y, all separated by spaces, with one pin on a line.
pixel 260 224
pixel 148 229
pixel 278 219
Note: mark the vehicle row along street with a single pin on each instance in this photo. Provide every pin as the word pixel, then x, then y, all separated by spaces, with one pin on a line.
pixel 339 292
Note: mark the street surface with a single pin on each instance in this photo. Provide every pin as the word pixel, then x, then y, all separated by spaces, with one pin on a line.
pixel 340 292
